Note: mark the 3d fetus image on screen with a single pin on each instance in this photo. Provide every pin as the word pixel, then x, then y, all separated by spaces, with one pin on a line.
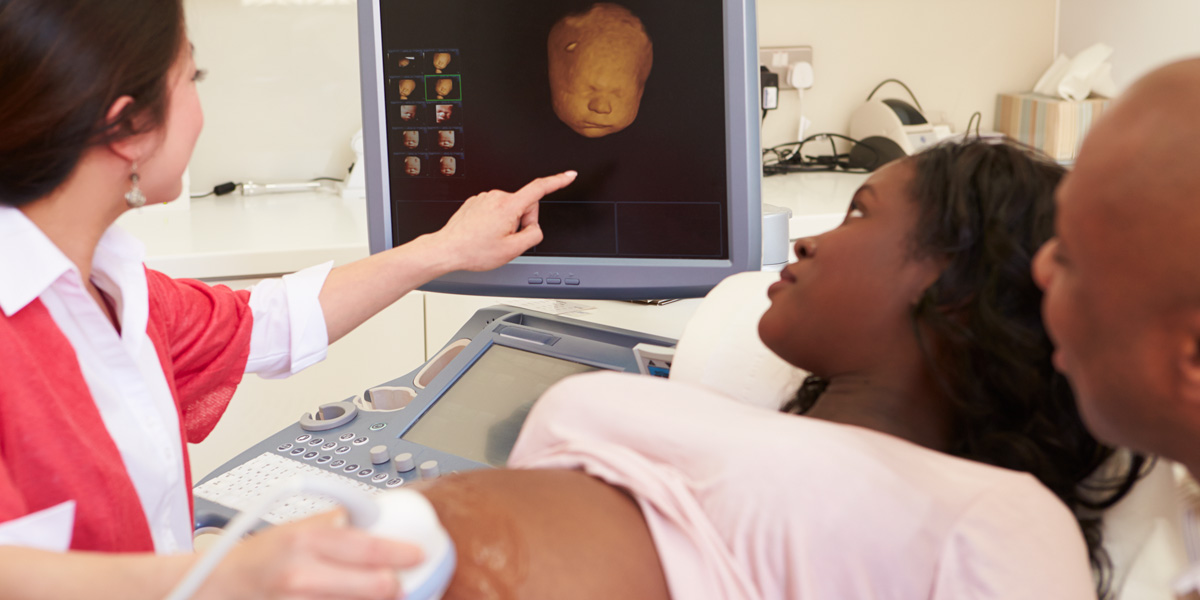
pixel 599 62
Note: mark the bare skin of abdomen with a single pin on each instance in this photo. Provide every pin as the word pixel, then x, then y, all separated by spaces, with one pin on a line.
pixel 533 535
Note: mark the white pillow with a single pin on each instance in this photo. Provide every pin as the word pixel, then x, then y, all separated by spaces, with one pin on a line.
pixel 720 348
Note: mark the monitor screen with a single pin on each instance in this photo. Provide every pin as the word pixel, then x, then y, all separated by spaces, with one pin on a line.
pixel 479 417
pixel 653 102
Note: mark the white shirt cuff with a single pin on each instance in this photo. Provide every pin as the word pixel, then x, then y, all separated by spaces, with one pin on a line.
pixel 47 529
pixel 289 332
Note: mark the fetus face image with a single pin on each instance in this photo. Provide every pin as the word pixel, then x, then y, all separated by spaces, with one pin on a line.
pixel 447 166
pixel 408 112
pixel 599 62
pixel 443 87
pixel 443 112
pixel 412 139
pixel 406 88
pixel 404 62
pixel 446 139
pixel 441 60
pixel 412 166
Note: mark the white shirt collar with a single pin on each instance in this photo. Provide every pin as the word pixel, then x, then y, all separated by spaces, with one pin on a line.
pixel 30 263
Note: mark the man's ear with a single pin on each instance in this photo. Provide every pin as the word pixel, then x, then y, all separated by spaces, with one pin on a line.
pixel 1189 359
pixel 131 148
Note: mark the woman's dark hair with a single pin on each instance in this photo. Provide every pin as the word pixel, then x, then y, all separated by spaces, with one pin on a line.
pixel 63 63
pixel 985 208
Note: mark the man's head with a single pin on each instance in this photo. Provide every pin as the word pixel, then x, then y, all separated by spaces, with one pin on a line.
pixel 1122 277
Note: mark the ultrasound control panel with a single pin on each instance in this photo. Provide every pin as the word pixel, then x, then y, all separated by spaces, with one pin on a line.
pixel 461 410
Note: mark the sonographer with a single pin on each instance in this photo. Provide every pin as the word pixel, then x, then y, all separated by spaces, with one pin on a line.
pixel 109 368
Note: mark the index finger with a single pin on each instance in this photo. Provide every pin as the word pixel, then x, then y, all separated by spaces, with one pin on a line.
pixel 538 188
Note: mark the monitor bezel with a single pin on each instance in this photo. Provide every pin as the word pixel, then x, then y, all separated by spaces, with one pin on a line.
pixel 598 278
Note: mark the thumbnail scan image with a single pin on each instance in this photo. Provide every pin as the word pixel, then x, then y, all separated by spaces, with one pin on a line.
pixel 412 139
pixel 444 89
pixel 407 87
pixel 599 63
pixel 412 166
pixel 441 61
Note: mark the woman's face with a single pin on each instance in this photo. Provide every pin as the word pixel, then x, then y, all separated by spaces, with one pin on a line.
pixel 161 168
pixel 844 304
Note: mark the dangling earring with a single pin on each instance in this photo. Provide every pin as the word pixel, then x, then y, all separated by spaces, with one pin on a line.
pixel 134 197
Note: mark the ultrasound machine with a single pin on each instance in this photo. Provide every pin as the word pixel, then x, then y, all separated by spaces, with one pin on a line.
pixel 666 207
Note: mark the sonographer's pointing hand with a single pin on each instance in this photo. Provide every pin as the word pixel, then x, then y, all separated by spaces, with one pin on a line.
pixel 488 230
pixel 495 227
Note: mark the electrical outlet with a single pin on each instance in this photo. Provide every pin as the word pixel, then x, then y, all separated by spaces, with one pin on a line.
pixel 779 59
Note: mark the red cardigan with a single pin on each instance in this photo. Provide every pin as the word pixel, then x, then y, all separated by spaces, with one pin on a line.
pixel 54 446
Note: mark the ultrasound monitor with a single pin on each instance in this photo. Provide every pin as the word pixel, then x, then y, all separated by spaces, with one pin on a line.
pixel 653 102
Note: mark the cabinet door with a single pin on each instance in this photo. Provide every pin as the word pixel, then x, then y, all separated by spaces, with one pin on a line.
pixel 388 345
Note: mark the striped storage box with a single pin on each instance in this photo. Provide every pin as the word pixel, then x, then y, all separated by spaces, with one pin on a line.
pixel 1052 125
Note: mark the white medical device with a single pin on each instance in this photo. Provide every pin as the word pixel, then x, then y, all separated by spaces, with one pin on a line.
pixel 400 514
pixel 895 120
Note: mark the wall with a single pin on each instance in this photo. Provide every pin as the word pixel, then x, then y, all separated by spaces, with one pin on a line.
pixel 1143 34
pixel 281 99
pixel 282 94
pixel 956 55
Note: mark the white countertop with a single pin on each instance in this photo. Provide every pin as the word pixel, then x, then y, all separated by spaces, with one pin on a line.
pixel 241 237
pixel 818 201
pixel 250 236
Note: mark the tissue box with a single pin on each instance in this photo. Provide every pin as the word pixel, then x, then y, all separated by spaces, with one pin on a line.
pixel 1052 125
